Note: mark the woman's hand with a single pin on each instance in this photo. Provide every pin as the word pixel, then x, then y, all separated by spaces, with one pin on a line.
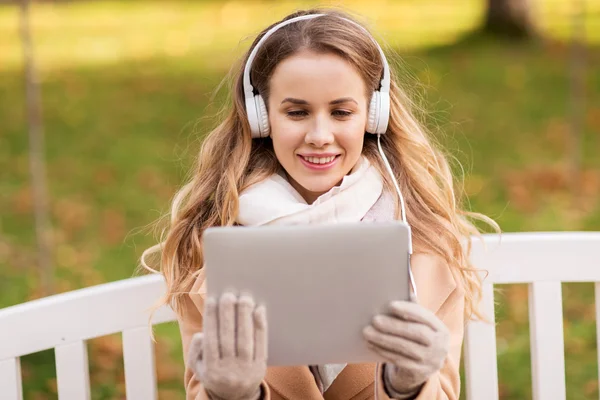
pixel 230 356
pixel 413 340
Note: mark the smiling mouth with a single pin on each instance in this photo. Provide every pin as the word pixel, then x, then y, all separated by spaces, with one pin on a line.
pixel 319 160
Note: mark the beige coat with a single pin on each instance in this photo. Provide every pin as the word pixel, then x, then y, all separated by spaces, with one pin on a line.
pixel 438 291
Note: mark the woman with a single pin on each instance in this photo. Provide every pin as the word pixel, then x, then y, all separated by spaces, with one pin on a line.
pixel 297 146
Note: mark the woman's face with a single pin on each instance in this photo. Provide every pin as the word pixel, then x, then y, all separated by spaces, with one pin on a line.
pixel 318 116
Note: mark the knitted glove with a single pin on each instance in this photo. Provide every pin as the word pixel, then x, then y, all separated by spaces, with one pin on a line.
pixel 415 343
pixel 230 356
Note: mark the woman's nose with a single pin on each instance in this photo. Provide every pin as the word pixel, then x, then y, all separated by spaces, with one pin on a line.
pixel 320 133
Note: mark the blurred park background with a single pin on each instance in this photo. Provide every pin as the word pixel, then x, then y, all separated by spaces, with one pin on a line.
pixel 129 88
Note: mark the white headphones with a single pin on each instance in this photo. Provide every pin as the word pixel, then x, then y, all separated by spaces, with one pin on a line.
pixel 379 108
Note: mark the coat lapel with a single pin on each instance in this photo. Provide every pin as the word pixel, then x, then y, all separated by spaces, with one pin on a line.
pixel 292 383
pixel 434 280
pixel 354 379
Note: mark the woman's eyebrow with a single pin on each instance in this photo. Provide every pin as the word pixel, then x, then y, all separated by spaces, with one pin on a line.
pixel 333 102
pixel 294 101
pixel 343 100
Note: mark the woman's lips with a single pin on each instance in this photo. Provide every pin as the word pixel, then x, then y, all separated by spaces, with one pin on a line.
pixel 319 162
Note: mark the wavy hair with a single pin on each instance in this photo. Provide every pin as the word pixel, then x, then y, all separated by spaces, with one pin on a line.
pixel 230 161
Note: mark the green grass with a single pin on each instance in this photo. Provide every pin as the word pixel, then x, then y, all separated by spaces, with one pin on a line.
pixel 126 91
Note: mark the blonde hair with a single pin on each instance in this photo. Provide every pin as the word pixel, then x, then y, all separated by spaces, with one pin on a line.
pixel 230 161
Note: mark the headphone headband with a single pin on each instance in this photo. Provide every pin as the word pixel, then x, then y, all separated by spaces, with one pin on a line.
pixel 256 108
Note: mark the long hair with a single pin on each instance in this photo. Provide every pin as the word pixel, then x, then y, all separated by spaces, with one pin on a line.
pixel 230 161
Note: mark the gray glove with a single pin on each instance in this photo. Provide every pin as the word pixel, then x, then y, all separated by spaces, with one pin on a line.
pixel 230 356
pixel 415 343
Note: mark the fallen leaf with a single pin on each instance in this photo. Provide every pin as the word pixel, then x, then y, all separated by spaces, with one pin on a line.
pixel 22 201
pixel 72 215
pixel 112 226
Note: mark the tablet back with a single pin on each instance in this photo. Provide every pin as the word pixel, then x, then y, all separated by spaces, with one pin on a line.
pixel 321 284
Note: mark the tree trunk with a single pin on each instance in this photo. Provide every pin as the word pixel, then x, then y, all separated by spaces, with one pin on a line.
pixel 577 104
pixel 509 18
pixel 36 154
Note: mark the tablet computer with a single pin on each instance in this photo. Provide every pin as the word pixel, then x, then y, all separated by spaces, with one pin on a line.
pixel 320 284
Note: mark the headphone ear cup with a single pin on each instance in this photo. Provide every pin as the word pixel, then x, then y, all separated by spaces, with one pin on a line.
pixel 384 112
pixel 263 116
pixel 373 114
pixel 252 116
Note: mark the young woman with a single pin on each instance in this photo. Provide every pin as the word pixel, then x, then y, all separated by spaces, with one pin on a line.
pixel 315 111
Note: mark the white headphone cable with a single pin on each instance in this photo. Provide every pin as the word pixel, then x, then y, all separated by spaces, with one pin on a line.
pixel 410 274
pixel 403 208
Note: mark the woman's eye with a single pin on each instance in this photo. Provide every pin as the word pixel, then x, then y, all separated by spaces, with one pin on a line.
pixel 297 113
pixel 304 113
pixel 342 113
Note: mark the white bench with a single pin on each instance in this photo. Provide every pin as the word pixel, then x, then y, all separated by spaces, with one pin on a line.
pixel 66 321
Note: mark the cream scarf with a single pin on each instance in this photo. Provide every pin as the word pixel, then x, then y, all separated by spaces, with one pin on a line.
pixel 275 202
